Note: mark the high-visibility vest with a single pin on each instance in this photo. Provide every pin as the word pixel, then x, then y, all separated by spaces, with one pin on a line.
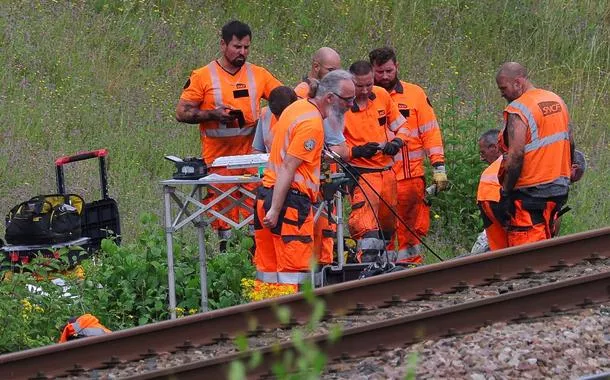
pixel 424 133
pixel 214 87
pixel 378 122
pixel 489 185
pixel 298 132
pixel 547 148
pixel 84 326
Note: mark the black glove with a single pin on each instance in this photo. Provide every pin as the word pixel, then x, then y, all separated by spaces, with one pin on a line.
pixel 367 150
pixel 392 147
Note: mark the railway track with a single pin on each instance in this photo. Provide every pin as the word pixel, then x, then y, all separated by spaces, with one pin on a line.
pixel 208 328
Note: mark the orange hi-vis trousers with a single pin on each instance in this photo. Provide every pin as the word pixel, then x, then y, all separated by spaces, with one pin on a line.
pixel 532 219
pixel 367 208
pixel 323 237
pixel 283 253
pixel 415 213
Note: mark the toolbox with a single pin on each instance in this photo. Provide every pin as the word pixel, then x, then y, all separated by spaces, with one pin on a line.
pixel 100 219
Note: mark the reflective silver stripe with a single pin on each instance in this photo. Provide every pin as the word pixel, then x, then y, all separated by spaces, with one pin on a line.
pixel 405 253
pixel 251 89
pixel 415 154
pixel 216 89
pixel 428 126
pixel 435 150
pixel 88 331
pixel 400 120
pixel 267 276
pixel 370 243
pixel 491 178
pixel 530 118
pixel 548 140
pixel 293 277
pixel 561 181
pixel 92 331
pixel 412 133
pixel 310 185
pixel 229 132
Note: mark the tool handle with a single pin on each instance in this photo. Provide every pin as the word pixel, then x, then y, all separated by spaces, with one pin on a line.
pixel 81 156
pixel 99 153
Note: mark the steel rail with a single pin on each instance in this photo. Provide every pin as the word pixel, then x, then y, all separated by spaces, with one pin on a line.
pixel 467 317
pixel 406 285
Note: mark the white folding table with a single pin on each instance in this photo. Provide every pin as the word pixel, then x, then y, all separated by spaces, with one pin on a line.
pixel 190 209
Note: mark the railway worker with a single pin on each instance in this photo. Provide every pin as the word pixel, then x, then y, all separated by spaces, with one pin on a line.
pixel 424 140
pixel 372 118
pixel 488 192
pixel 538 148
pixel 283 213
pixel 223 97
pixel 280 98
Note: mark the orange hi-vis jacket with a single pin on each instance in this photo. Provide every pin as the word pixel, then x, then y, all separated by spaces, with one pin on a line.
pixel 424 135
pixel 379 122
pixel 547 149
pixel 214 87
pixel 264 131
pixel 298 132
pixel 489 185
pixel 84 326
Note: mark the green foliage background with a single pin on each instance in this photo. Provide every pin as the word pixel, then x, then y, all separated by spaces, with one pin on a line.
pixel 82 75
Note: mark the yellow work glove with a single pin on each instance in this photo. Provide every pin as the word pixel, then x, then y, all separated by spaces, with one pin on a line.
pixel 439 177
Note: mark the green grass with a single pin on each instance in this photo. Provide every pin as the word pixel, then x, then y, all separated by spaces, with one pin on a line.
pixel 84 75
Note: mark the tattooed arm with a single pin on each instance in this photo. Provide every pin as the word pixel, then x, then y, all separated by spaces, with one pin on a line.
pixel 517 130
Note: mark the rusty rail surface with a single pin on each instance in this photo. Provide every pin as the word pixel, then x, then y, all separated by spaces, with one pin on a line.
pixel 529 303
pixel 406 285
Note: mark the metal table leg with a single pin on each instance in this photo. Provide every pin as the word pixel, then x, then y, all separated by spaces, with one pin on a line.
pixel 203 273
pixel 169 230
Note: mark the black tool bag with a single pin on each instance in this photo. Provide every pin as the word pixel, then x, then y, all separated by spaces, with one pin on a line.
pixel 45 219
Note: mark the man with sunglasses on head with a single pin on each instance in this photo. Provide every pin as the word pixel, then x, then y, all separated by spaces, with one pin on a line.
pixel 375 132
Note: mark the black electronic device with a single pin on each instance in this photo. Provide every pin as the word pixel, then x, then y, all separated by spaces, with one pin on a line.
pixel 239 115
pixel 188 168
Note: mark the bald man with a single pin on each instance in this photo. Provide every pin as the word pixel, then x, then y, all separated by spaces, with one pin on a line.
pixel 538 152
pixel 323 61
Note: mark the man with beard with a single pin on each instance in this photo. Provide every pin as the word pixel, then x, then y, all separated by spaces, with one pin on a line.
pixel 538 154
pixel 368 125
pixel 283 212
pixel 424 139
pixel 223 97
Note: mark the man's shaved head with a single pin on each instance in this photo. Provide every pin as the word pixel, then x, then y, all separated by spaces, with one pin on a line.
pixel 512 80
pixel 324 54
pixel 512 70
pixel 324 60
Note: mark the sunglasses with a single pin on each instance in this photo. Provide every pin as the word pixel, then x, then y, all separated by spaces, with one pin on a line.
pixel 348 100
